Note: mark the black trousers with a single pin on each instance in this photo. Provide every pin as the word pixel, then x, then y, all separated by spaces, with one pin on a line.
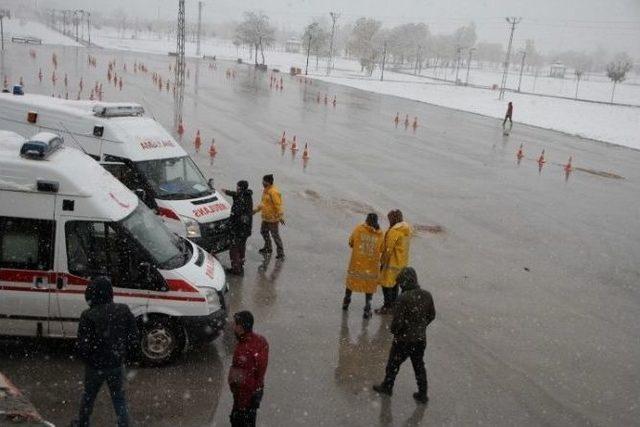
pixel 390 295
pixel 246 417
pixel 367 299
pixel 505 121
pixel 93 380
pixel 268 230
pixel 237 253
pixel 401 351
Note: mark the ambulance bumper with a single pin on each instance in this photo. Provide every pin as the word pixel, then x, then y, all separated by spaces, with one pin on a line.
pixel 204 329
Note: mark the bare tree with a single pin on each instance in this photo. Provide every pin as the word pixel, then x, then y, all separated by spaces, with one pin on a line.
pixel 362 44
pixel 255 30
pixel 316 40
pixel 617 70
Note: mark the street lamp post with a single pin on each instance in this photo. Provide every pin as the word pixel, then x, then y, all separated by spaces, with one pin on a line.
pixel 4 13
pixel 466 83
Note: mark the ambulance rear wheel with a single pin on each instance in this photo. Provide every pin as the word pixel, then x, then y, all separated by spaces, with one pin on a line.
pixel 161 341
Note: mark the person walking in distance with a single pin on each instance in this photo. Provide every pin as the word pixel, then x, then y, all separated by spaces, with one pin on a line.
pixel 272 215
pixel 363 274
pixel 395 256
pixel 107 334
pixel 413 313
pixel 247 372
pixel 241 221
pixel 508 116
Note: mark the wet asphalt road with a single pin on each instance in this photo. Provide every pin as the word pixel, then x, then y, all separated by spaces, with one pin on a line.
pixel 535 277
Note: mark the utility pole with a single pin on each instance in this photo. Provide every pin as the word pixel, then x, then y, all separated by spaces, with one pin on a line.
pixel 199 29
pixel 524 55
pixel 306 68
pixel 4 13
pixel 466 83
pixel 89 27
pixel 384 61
pixel 415 68
pixel 334 18
pixel 458 53
pixel 513 21
pixel 179 66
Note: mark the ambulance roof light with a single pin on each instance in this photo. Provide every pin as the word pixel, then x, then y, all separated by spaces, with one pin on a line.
pixel 118 110
pixel 40 146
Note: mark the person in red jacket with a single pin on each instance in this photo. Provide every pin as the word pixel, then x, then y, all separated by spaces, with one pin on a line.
pixel 246 375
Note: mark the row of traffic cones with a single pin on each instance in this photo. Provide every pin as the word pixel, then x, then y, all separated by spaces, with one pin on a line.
pixel 567 167
pixel 326 99
pixel 407 122
pixel 306 153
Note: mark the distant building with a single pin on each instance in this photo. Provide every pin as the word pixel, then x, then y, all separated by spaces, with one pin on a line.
pixel 293 45
pixel 557 70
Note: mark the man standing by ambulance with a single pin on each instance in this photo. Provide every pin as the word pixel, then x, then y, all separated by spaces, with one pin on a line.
pixel 272 216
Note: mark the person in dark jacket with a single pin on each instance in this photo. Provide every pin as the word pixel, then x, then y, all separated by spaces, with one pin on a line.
pixel 508 116
pixel 247 372
pixel 414 311
pixel 107 334
pixel 241 224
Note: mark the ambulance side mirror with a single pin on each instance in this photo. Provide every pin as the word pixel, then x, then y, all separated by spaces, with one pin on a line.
pixel 210 183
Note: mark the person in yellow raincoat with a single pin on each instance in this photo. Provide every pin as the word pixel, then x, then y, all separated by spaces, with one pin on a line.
pixel 272 215
pixel 395 256
pixel 363 274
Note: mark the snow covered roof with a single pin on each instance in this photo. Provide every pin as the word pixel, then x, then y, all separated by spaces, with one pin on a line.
pixel 76 174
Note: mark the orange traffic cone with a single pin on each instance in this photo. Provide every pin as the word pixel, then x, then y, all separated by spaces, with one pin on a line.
pixel 541 160
pixel 212 149
pixel 180 128
pixel 294 144
pixel 568 167
pixel 283 140
pixel 198 142
pixel 415 123
pixel 305 153
pixel 520 154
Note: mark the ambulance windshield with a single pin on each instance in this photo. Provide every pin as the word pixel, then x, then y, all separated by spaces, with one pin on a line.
pixel 174 179
pixel 167 250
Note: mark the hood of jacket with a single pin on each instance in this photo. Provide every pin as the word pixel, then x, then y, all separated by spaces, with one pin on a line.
pixel 99 292
pixel 402 227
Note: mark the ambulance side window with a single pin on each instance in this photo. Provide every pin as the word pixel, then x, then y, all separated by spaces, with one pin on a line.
pixel 87 242
pixel 26 244
pixel 99 249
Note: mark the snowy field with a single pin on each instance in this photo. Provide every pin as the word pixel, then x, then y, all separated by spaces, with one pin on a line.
pixel 24 28
pixel 614 124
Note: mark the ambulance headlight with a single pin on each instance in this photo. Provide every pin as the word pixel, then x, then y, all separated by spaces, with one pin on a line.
pixel 212 296
pixel 191 226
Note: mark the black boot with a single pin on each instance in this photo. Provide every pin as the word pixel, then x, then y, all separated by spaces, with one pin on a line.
pixel 421 397
pixel 383 389
pixel 345 303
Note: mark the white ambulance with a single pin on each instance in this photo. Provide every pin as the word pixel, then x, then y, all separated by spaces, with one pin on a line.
pixel 64 220
pixel 137 151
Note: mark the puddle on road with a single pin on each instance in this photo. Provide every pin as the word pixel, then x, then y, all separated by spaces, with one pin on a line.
pixel 423 229
pixel 364 208
pixel 600 173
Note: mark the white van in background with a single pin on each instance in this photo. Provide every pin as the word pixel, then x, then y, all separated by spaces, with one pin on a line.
pixel 138 151
pixel 64 220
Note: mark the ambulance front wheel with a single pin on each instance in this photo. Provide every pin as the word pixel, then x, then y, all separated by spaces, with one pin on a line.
pixel 161 341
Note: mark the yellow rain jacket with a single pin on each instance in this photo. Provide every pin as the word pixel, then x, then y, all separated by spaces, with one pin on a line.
pixel 271 205
pixel 363 274
pixel 395 252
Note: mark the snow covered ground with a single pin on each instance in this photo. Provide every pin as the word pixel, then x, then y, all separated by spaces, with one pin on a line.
pixel 21 28
pixel 615 124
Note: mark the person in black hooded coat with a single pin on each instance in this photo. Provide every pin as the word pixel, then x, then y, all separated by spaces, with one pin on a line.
pixel 107 335
pixel 241 225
